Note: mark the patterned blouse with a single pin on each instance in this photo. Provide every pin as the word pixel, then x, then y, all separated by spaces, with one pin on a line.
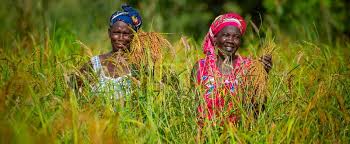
pixel 113 87
pixel 220 88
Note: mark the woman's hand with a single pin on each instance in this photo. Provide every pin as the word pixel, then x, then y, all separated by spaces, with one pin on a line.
pixel 267 61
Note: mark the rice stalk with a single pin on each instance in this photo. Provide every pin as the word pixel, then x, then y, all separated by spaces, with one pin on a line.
pixel 147 45
pixel 257 80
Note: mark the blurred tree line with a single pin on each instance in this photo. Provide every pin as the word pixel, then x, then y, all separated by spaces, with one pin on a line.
pixel 321 20
pixel 311 19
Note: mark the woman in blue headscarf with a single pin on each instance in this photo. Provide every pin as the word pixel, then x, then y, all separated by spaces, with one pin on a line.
pixel 109 73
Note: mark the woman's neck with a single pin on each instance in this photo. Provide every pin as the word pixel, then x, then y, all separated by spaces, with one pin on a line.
pixel 116 64
pixel 226 58
pixel 117 54
pixel 225 63
pixel 120 51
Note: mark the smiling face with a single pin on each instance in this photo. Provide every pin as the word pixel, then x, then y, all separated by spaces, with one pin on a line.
pixel 228 40
pixel 121 36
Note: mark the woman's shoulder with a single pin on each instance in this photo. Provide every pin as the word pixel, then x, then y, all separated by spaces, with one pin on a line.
pixel 93 63
pixel 245 59
pixel 201 62
pixel 98 59
pixel 195 71
pixel 198 64
pixel 101 56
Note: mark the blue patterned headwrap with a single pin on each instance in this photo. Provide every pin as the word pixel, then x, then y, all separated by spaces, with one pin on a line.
pixel 129 15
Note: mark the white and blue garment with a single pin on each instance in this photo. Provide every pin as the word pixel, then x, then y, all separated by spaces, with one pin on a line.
pixel 109 86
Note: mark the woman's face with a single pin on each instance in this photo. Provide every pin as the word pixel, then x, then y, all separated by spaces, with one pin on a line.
pixel 228 40
pixel 121 36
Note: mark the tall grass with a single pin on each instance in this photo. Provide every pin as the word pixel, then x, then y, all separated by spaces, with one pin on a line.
pixel 308 98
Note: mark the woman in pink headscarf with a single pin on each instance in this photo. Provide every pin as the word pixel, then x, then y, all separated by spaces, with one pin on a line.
pixel 221 73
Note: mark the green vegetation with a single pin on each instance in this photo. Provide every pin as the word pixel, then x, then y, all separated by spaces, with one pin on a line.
pixel 43 42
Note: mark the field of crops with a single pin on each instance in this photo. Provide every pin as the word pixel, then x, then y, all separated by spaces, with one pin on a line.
pixel 308 92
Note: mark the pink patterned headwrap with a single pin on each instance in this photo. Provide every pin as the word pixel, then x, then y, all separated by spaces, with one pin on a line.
pixel 219 23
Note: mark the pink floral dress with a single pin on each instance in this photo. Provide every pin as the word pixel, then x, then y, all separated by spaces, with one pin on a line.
pixel 219 89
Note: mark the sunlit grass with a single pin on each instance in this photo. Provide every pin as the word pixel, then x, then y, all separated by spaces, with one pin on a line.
pixel 308 97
